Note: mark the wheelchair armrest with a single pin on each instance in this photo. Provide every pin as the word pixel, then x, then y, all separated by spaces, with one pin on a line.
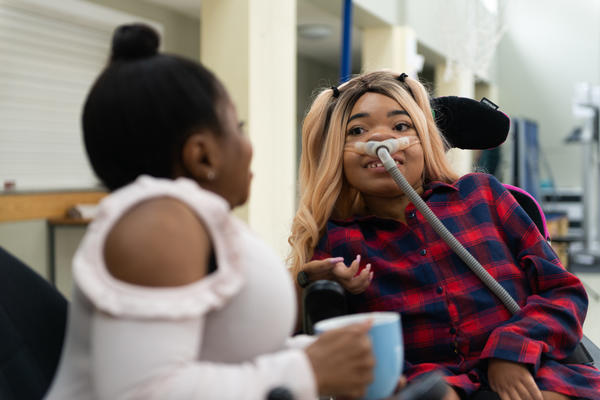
pixel 592 350
pixel 586 353
pixel 322 299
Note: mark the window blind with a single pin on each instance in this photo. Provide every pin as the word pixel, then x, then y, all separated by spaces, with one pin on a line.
pixel 50 54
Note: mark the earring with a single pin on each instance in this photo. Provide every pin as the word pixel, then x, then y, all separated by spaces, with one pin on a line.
pixel 210 175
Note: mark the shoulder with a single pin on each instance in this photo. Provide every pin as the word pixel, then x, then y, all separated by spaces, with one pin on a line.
pixel 475 179
pixel 158 242
pixel 479 184
pixel 146 253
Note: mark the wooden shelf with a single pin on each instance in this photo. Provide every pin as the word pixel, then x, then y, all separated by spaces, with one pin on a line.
pixel 18 207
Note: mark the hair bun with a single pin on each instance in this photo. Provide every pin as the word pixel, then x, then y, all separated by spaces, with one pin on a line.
pixel 134 41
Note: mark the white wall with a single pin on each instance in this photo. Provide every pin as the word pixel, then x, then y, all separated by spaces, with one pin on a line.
pixel 550 45
pixel 311 77
pixel 181 32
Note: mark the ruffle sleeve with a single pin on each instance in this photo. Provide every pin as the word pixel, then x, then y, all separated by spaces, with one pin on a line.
pixel 122 299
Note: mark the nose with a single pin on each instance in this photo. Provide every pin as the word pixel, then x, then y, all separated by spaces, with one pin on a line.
pixel 379 135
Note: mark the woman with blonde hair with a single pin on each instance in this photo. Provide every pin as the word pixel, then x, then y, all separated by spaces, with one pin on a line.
pixel 354 225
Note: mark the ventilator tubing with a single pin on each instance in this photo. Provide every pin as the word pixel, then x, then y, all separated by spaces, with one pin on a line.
pixel 383 152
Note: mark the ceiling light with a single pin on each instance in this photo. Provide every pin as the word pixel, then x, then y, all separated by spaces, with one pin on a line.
pixel 314 31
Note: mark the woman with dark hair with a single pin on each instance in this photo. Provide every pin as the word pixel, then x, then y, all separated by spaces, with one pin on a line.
pixel 174 297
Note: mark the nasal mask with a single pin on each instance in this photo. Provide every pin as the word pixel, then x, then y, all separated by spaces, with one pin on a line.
pixel 391 145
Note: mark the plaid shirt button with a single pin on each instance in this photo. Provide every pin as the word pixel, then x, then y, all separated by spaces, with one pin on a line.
pixel 439 290
pixel 423 252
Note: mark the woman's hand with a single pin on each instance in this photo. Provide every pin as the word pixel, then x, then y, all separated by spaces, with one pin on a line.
pixel 342 361
pixel 334 269
pixel 346 276
pixel 321 269
pixel 512 381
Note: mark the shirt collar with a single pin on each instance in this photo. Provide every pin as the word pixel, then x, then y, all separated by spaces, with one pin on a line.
pixel 437 186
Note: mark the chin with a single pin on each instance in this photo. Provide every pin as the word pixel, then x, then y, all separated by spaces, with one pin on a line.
pixel 383 192
pixel 241 201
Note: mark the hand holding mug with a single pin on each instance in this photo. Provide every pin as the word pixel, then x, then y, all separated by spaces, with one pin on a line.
pixel 386 340
pixel 342 360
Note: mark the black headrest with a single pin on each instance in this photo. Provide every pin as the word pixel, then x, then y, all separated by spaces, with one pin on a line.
pixel 470 124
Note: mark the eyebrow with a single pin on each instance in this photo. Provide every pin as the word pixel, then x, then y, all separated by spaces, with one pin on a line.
pixel 397 112
pixel 389 114
pixel 359 115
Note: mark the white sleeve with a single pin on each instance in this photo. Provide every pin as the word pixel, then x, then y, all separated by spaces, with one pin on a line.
pixel 300 341
pixel 158 359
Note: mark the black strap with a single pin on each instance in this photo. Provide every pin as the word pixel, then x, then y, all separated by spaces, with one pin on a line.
pixel 579 356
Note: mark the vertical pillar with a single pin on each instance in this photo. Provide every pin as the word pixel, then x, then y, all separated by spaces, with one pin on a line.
pixel 390 47
pixel 251 46
pixel 461 83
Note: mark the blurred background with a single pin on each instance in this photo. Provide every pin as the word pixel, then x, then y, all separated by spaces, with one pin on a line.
pixel 538 60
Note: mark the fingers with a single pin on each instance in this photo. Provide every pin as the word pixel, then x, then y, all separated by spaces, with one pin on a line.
pixel 513 394
pixel 530 387
pixel 321 269
pixel 503 395
pixel 519 390
pixel 343 360
pixel 364 326
pixel 512 381
pixel 359 283
pixel 322 265
pixel 509 393
pixel 349 279
pixel 362 348
pixel 349 272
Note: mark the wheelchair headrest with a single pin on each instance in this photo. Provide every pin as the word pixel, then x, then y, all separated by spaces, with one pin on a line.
pixel 470 124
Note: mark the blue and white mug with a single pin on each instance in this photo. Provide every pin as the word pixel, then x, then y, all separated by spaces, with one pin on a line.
pixel 388 348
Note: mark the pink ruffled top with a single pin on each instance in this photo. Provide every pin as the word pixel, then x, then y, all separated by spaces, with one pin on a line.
pixel 123 299
pixel 225 336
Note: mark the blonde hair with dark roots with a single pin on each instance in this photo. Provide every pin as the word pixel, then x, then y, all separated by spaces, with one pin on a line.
pixel 324 191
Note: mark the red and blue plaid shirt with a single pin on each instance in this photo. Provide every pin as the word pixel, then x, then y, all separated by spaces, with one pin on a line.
pixel 451 321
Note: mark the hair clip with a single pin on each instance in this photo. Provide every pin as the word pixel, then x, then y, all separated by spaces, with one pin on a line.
pixel 336 91
pixel 402 77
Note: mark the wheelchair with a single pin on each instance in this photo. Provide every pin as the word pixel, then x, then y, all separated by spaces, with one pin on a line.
pixel 326 299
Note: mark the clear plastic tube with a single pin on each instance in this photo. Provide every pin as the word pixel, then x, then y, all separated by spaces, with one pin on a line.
pixel 392 145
